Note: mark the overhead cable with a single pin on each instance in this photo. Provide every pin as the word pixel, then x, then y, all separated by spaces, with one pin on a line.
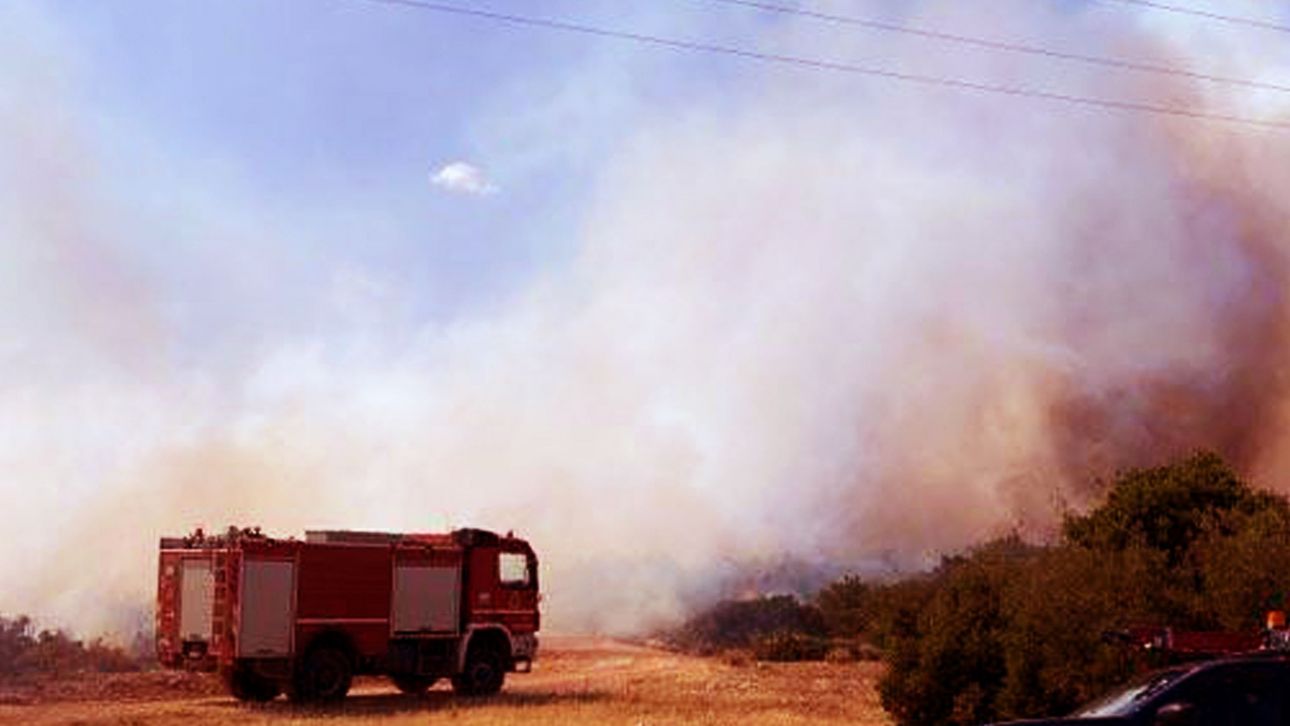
pixel 1220 17
pixel 969 40
pixel 839 67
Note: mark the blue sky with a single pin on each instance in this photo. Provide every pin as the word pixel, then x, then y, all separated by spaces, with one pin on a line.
pixel 338 112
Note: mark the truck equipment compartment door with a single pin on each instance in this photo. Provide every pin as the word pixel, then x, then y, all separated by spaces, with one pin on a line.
pixel 196 596
pixel 266 608
pixel 425 598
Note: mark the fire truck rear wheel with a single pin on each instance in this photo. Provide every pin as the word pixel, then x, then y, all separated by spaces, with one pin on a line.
pixel 483 675
pixel 412 684
pixel 246 685
pixel 325 675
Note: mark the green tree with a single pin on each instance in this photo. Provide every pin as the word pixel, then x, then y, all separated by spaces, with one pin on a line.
pixel 950 666
pixel 1166 507
pixel 1241 567
pixel 1057 611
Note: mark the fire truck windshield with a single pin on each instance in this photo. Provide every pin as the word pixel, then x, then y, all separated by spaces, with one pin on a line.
pixel 513 569
pixel 1126 700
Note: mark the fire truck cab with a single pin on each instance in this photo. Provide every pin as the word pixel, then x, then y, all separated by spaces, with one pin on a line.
pixel 305 616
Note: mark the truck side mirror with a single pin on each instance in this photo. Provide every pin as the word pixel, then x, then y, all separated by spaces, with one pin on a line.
pixel 1178 713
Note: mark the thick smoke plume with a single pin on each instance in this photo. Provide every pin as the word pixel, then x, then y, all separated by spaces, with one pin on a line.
pixel 834 321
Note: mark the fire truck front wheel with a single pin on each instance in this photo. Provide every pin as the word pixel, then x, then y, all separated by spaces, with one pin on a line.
pixel 325 675
pixel 484 672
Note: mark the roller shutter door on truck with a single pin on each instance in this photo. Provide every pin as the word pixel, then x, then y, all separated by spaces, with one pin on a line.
pixel 196 596
pixel 425 598
pixel 266 613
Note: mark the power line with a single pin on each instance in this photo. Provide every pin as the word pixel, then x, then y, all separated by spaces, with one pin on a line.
pixel 1033 50
pixel 1179 10
pixel 817 64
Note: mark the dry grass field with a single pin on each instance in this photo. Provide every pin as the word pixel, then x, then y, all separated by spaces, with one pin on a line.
pixel 578 680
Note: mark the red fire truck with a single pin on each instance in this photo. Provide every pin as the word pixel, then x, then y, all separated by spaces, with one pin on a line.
pixel 1200 644
pixel 305 616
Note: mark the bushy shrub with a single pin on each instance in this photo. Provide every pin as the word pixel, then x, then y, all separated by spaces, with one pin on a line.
pixel 851 650
pixel 947 661
pixel 25 651
pixel 15 640
pixel 1056 611
pixel 848 606
pixel 1241 568
pixel 739 624
pixel 789 645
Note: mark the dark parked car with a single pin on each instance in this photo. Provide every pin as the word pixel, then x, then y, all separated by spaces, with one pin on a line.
pixel 1249 690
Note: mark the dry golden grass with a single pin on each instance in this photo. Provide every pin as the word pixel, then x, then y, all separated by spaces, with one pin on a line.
pixel 577 680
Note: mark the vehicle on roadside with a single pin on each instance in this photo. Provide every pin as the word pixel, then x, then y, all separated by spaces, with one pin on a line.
pixel 1242 690
pixel 305 616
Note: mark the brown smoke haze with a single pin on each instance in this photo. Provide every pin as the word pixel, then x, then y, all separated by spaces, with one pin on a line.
pixel 841 322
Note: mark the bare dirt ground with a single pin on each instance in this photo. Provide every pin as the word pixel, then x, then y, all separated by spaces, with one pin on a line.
pixel 576 680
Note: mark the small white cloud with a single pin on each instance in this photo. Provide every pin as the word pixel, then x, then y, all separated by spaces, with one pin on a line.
pixel 463 178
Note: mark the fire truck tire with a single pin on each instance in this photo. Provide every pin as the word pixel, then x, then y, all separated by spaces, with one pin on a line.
pixel 325 675
pixel 246 685
pixel 484 672
pixel 412 684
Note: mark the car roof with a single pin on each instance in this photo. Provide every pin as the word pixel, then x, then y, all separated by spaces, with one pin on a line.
pixel 1254 656
pixel 1257 656
pixel 1188 668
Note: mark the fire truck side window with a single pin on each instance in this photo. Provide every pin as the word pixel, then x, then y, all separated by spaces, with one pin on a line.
pixel 513 569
